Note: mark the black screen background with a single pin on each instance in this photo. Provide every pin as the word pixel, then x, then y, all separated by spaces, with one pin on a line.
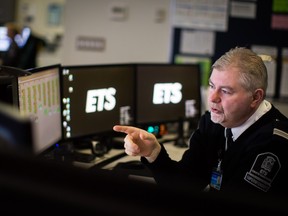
pixel 148 75
pixel 85 78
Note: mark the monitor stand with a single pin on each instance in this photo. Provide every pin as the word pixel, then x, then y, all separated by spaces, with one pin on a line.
pixel 97 147
pixel 89 146
pixel 69 152
pixel 180 140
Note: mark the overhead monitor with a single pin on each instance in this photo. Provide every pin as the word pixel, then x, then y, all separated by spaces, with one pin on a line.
pixel 167 93
pixel 38 96
pixel 95 98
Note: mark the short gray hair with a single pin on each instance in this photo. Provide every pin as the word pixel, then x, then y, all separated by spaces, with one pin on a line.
pixel 253 72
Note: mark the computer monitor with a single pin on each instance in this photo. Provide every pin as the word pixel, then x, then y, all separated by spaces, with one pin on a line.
pixel 38 96
pixel 167 93
pixel 95 98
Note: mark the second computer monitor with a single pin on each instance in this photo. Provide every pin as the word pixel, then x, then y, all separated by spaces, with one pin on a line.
pixel 167 93
pixel 38 96
pixel 95 98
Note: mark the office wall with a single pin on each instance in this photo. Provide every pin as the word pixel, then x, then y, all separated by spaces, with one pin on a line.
pixel 143 34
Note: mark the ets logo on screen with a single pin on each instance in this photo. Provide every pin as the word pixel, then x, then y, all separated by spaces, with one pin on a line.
pixel 98 100
pixel 165 93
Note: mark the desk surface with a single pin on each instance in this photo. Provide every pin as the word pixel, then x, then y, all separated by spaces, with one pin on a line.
pixel 175 153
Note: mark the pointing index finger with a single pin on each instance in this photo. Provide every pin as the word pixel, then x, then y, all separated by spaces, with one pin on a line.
pixel 124 129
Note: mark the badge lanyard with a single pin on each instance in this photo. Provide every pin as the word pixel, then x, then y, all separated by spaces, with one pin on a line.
pixel 217 172
pixel 216 177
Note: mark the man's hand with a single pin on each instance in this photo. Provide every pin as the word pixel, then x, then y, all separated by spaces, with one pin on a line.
pixel 138 142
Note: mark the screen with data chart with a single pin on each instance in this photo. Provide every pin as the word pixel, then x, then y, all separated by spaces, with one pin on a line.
pixel 39 97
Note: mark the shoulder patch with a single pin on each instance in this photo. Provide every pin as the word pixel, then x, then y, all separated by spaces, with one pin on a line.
pixel 280 133
pixel 263 171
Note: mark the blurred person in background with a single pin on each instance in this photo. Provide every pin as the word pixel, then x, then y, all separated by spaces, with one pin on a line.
pixel 30 46
pixel 12 56
pixel 24 47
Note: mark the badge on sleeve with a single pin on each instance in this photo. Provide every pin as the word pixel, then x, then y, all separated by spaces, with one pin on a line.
pixel 263 171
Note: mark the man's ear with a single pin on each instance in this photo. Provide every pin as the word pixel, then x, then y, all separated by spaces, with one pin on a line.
pixel 258 96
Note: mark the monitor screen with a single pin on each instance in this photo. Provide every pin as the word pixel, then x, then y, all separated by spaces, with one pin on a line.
pixel 167 93
pixel 39 97
pixel 95 98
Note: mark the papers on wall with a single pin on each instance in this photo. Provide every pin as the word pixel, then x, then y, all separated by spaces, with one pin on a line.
pixel 284 74
pixel 197 42
pixel 208 14
pixel 269 56
pixel 243 9
pixel 204 62
pixel 279 19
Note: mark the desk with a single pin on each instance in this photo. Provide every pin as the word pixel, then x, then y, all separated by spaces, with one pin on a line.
pixel 120 157
pixel 175 153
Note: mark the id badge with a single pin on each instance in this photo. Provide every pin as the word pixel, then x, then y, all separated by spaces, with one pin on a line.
pixel 216 179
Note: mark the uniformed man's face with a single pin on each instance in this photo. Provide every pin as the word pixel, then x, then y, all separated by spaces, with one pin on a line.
pixel 229 103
